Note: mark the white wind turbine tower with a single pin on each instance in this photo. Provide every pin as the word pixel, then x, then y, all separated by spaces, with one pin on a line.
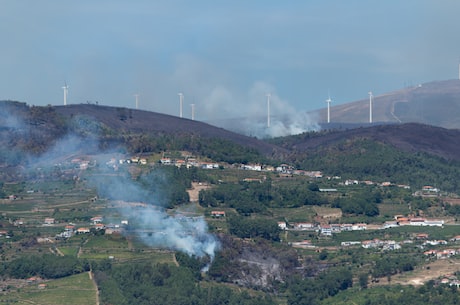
pixel 66 91
pixel 268 109
pixel 459 70
pixel 328 101
pixel 193 111
pixel 370 106
pixel 181 101
pixel 137 100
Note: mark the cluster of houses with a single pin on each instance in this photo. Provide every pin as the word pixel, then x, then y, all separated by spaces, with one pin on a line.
pixel 386 245
pixel 426 191
pixel 114 163
pixel 390 245
pixel 449 279
pixel 329 229
pixel 323 229
pixel 439 253
pixel 401 220
pixel 366 182
pixel 188 162
pixel 96 224
pixel 282 169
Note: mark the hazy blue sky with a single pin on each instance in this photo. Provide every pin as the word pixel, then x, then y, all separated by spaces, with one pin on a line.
pixel 223 55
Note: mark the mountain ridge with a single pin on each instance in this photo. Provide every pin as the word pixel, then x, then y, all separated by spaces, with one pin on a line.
pixel 410 137
pixel 434 103
pixel 137 121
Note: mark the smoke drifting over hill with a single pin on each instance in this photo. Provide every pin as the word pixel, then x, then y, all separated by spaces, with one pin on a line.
pixel 254 114
pixel 149 220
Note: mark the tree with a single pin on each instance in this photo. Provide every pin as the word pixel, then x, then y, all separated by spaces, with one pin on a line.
pixel 363 280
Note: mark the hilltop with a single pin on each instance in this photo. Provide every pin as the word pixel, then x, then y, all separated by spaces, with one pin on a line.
pixel 32 129
pixel 139 121
pixel 434 103
pixel 410 137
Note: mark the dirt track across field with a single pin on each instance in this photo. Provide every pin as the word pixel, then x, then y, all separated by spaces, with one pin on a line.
pixel 195 190
pixel 422 275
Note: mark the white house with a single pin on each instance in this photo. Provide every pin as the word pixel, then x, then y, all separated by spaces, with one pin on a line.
pixel 326 230
pixel 359 227
pixel 304 226
pixel 49 221
pixel 282 225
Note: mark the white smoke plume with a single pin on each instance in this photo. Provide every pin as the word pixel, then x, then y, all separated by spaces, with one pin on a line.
pixel 189 235
pixel 150 222
pixel 251 115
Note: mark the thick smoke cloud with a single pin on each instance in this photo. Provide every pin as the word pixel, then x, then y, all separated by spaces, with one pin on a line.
pixel 189 235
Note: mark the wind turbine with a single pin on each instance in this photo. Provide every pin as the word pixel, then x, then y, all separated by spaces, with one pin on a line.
pixel 137 100
pixel 66 91
pixel 193 111
pixel 181 101
pixel 268 109
pixel 459 69
pixel 328 101
pixel 370 106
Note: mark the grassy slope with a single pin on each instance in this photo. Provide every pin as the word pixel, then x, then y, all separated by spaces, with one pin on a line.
pixel 73 290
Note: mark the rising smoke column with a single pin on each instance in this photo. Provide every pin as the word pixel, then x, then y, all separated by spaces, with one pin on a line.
pixel 249 112
pixel 149 220
pixel 151 223
pixel 185 234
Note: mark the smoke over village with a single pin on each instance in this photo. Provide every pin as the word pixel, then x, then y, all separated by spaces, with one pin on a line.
pixel 142 203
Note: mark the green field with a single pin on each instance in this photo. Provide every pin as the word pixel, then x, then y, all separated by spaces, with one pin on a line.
pixel 392 209
pixel 301 214
pixel 73 290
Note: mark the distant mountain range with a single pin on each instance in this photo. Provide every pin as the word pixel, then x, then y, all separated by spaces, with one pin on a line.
pixel 433 103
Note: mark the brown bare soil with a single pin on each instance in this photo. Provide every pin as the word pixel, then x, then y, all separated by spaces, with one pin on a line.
pixel 195 190
pixel 452 201
pixel 422 275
